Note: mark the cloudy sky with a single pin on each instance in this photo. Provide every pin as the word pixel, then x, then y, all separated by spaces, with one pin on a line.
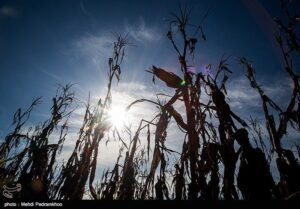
pixel 45 43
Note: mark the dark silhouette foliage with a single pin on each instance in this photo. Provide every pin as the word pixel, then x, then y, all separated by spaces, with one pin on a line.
pixel 209 166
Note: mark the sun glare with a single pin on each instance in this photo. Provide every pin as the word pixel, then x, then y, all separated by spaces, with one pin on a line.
pixel 118 116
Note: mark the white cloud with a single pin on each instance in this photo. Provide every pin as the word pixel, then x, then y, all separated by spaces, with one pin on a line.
pixel 241 95
pixel 52 75
pixel 279 90
pixel 8 11
pixel 95 48
pixel 141 32
pixel 83 8
pixel 100 46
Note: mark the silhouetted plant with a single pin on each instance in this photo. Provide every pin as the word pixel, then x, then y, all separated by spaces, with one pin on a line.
pixel 288 42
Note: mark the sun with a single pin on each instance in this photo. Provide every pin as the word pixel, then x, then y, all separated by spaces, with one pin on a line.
pixel 118 116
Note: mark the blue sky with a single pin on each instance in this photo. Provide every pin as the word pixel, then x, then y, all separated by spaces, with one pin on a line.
pixel 43 43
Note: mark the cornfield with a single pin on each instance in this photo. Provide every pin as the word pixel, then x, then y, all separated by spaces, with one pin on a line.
pixel 210 165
